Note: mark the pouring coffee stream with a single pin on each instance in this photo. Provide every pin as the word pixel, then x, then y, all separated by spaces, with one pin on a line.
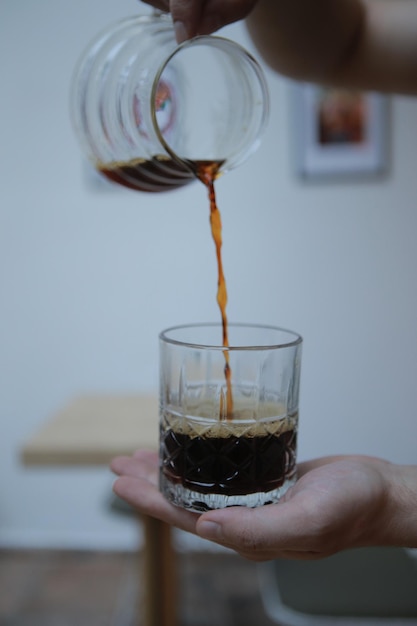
pixel 136 175
pixel 207 172
pixel 154 116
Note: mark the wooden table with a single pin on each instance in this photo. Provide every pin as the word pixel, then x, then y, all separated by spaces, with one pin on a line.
pixel 91 430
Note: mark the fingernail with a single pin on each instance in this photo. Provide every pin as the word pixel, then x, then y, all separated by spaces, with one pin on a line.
pixel 210 530
pixel 180 32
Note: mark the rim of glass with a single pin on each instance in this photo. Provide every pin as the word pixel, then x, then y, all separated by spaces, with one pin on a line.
pixel 296 338
pixel 222 43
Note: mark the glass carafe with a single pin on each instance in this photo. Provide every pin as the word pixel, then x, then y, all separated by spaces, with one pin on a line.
pixel 147 111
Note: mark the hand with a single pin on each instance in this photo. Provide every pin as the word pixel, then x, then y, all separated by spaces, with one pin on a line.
pixel 337 503
pixel 198 17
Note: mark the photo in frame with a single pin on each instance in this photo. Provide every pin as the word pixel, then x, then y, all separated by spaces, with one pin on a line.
pixel 339 132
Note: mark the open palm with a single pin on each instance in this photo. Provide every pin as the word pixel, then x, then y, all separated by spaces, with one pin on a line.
pixel 337 503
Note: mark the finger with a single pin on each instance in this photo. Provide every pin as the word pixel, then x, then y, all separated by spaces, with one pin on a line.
pixel 186 15
pixel 129 468
pixel 145 497
pixel 144 463
pixel 218 13
pixel 272 528
pixel 162 5
pixel 118 464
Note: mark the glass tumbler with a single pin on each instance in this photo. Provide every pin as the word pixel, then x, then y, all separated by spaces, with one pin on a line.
pixel 147 111
pixel 216 452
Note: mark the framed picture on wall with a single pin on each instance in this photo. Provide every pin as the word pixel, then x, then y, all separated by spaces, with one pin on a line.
pixel 338 132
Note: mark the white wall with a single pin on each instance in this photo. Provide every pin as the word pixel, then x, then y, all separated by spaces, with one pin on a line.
pixel 88 277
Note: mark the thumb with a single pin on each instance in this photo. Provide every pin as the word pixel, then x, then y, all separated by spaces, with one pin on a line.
pixel 261 532
pixel 186 15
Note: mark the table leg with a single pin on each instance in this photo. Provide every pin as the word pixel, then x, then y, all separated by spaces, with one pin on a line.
pixel 160 575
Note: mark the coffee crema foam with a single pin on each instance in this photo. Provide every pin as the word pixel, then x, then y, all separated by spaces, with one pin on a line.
pixel 237 426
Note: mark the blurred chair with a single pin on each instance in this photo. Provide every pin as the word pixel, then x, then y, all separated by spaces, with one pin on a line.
pixel 360 587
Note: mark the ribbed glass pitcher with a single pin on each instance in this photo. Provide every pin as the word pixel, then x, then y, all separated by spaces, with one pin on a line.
pixel 148 112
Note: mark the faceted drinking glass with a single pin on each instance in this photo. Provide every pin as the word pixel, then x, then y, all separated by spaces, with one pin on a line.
pixel 228 416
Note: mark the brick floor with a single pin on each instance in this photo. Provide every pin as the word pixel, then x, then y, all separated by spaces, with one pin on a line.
pixel 65 588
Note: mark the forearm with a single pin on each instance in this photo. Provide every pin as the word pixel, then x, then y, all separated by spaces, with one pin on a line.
pixel 367 44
